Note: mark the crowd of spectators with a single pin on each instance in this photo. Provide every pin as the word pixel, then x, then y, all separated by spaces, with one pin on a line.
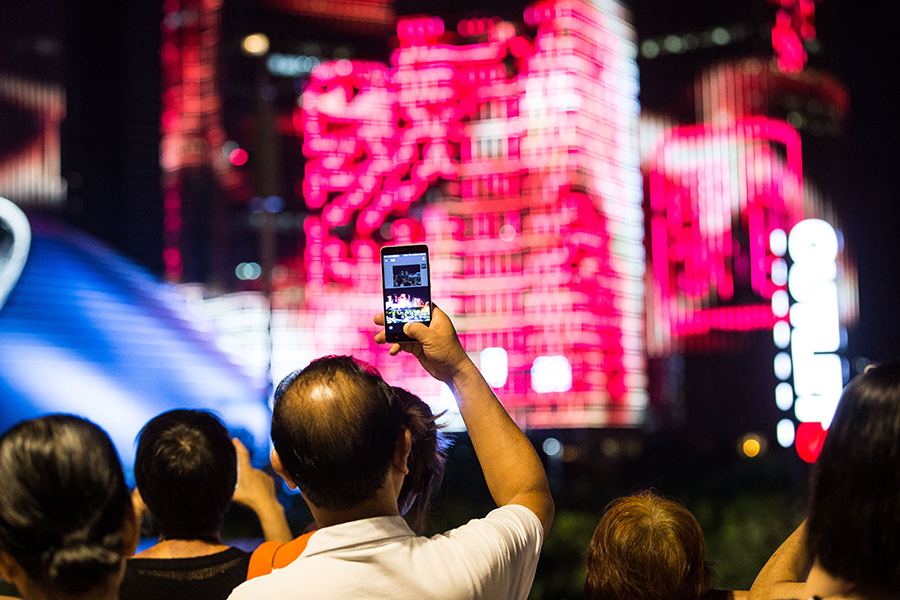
pixel 367 458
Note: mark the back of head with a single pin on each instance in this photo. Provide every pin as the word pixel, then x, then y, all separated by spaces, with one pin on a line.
pixel 853 527
pixel 63 503
pixel 647 548
pixel 334 426
pixel 186 470
pixel 427 457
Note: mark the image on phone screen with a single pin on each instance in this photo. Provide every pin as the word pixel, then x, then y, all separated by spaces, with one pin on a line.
pixel 407 288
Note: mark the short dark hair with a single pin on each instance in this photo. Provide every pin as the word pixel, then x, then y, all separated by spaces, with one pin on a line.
pixel 63 503
pixel 647 548
pixel 335 425
pixel 853 526
pixel 427 458
pixel 186 470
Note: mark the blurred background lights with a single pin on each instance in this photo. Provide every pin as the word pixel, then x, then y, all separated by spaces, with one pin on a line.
pixel 782 365
pixel 552 447
pixel 248 271
pixel 784 395
pixel 238 157
pixel 494 366
pixel 551 374
pixel 781 334
pixel 779 272
pixel 256 44
pixel 813 241
pixel 781 303
pixel 784 431
pixel 778 242
pixel 720 36
pixel 808 441
pixel 507 233
pixel 229 146
pixel 752 445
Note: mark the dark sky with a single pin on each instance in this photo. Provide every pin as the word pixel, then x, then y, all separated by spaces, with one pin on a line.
pixel 867 59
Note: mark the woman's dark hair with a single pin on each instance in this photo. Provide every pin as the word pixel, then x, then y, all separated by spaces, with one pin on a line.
pixel 427 458
pixel 335 425
pixel 63 503
pixel 186 470
pixel 647 548
pixel 853 526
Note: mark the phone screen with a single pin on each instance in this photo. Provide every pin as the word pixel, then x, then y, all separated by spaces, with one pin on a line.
pixel 407 288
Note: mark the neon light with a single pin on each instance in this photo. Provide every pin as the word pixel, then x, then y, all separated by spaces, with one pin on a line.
pixel 494 363
pixel 551 374
pixel 785 433
pixel 721 198
pixel 818 375
pixel 783 365
pixel 525 183
pixel 793 24
pixel 784 395
pixel 808 441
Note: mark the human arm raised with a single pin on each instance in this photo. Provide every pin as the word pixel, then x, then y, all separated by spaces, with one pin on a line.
pixel 512 469
pixel 784 574
pixel 256 490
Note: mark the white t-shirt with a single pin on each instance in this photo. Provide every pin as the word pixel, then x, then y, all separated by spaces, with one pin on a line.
pixel 492 558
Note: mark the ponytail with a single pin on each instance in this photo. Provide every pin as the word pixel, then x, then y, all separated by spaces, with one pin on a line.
pixel 63 503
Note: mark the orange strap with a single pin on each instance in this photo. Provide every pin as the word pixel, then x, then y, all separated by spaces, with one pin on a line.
pixel 275 555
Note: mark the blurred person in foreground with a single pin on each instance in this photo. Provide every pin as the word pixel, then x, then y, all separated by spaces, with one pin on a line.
pixel 66 518
pixel 649 548
pixel 849 545
pixel 188 470
pixel 338 435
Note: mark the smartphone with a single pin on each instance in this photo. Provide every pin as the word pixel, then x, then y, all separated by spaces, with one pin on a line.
pixel 406 286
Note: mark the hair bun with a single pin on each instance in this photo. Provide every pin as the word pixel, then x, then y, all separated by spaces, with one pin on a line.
pixel 77 565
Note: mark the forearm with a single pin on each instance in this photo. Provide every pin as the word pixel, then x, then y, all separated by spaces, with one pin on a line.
pixel 512 469
pixel 785 572
pixel 273 521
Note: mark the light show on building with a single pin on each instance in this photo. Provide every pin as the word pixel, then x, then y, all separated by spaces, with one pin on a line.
pixel 664 232
pixel 514 149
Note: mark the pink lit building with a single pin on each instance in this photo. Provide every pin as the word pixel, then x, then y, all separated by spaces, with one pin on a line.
pixel 514 157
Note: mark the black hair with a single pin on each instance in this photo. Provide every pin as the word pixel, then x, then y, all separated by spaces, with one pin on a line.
pixel 335 425
pixel 853 526
pixel 186 470
pixel 63 503
pixel 427 458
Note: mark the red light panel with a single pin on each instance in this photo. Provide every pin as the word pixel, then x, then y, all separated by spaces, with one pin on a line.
pixel 524 181
pixel 716 193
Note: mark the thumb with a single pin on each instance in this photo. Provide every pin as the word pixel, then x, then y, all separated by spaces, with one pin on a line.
pixel 417 331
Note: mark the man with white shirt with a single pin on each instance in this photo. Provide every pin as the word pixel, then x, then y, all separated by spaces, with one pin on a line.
pixel 338 435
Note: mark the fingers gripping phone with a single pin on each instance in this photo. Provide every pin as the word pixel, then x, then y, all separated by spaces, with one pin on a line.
pixel 406 287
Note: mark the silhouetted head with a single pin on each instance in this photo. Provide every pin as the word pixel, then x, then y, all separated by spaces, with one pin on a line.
pixel 64 505
pixel 186 470
pixel 853 528
pixel 335 425
pixel 427 457
pixel 647 548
